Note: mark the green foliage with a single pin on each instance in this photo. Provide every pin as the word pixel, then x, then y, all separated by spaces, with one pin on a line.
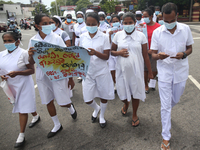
pixel 37 9
pixel 108 5
pixel 82 4
pixel 3 2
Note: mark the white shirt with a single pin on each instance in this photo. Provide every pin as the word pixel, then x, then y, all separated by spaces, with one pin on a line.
pixel 170 69
pixel 139 22
pixel 154 17
pixel 60 33
pixel 23 59
pixel 80 28
pixel 99 42
pixel 104 26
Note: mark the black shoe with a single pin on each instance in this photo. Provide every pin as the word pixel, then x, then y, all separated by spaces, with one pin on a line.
pixel 52 134
pixel 102 125
pixel 33 124
pixel 19 144
pixel 94 119
pixel 74 115
pixel 153 89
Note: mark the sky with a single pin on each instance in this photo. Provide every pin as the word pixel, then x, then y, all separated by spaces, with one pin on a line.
pixel 45 2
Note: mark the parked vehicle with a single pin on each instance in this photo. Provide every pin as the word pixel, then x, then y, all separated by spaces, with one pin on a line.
pixel 3 26
pixel 27 26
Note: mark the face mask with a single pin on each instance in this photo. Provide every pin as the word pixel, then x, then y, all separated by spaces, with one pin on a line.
pixel 147 20
pixel 129 28
pixel 79 20
pixel 11 46
pixel 121 21
pixel 69 20
pixel 46 29
pixel 108 17
pixel 170 25
pixel 157 12
pixel 92 29
pixel 53 26
pixel 116 24
pixel 161 22
pixel 138 20
pixel 101 22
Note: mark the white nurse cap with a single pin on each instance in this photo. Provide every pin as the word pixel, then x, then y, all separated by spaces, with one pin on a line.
pixel 89 10
pixel 138 12
pixel 101 13
pixel 55 16
pixel 121 12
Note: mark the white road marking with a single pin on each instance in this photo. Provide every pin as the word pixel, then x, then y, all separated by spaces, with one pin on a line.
pixel 35 86
pixel 196 38
pixel 194 81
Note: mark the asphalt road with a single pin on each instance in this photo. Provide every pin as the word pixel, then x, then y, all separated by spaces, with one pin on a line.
pixel 81 134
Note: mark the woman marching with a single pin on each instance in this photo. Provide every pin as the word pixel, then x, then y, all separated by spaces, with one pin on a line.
pixel 130 47
pixel 14 60
pixel 60 90
pixel 98 82
pixel 116 26
pixel 79 28
pixel 56 24
pixel 103 25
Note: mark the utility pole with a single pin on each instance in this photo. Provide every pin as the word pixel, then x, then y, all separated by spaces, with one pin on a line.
pixel 190 15
pixel 56 8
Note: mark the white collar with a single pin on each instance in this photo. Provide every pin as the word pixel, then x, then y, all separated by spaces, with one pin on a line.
pixel 99 33
pixel 13 53
pixel 133 35
pixel 178 28
pixel 47 38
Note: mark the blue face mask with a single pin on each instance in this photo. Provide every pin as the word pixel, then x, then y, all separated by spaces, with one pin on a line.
pixel 69 20
pixel 92 29
pixel 53 26
pixel 129 28
pixel 161 22
pixel 79 20
pixel 116 24
pixel 170 25
pixel 147 20
pixel 10 47
pixel 101 22
pixel 46 29
pixel 108 17
pixel 157 12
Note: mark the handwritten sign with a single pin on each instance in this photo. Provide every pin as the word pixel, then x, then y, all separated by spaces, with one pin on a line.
pixel 143 29
pixel 61 62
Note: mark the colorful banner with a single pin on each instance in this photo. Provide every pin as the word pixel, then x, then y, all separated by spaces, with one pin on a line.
pixel 61 62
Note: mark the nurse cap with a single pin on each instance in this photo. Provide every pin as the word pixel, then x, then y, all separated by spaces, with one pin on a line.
pixel 79 12
pixel 101 13
pixel 138 12
pixel 57 17
pixel 89 10
pixel 121 12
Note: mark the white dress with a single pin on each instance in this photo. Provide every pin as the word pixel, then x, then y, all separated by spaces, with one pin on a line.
pixel 130 70
pixel 78 30
pixel 98 82
pixel 51 89
pixel 22 87
pixel 104 27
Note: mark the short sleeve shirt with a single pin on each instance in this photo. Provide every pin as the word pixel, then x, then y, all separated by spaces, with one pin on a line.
pixel 99 42
pixel 170 69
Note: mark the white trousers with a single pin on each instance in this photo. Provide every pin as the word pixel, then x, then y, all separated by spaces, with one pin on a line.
pixel 169 96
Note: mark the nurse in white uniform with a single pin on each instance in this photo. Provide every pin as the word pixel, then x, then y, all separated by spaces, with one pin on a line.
pixel 50 90
pixel 103 25
pixel 56 24
pixel 130 47
pixel 116 27
pixel 171 44
pixel 98 82
pixel 79 28
pixel 14 60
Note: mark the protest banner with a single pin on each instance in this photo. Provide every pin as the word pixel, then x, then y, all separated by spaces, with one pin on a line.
pixel 61 62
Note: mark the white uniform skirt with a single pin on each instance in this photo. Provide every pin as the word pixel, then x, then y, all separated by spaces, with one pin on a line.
pixel 112 63
pixel 52 89
pixel 101 86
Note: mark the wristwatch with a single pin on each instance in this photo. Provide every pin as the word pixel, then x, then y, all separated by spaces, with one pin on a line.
pixel 184 55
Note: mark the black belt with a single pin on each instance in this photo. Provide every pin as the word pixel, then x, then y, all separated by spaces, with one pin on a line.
pixel 77 37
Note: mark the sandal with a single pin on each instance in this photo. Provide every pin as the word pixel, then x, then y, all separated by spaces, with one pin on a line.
pixel 135 122
pixel 166 146
pixel 124 111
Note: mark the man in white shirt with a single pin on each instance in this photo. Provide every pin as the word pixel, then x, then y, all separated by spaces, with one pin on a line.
pixel 139 19
pixel 170 45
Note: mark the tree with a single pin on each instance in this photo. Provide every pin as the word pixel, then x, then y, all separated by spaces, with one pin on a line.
pixel 108 5
pixel 3 2
pixel 40 8
pixel 82 4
